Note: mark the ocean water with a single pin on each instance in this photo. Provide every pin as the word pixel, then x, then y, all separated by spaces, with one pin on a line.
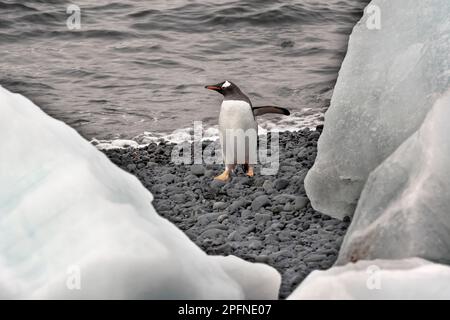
pixel 137 69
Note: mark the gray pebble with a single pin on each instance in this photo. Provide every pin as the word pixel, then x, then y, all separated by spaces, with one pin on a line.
pixel 246 214
pixel 268 187
pixel 131 167
pixel 168 178
pixel 234 236
pixel 284 236
pixel 262 217
pixel 259 202
pixel 207 218
pixel 281 184
pixel 213 233
pixel 217 184
pixel 219 205
pixel 255 244
pixel 222 217
pixel 197 170
pixel 262 259
pixel 300 203
pixel 236 205
pixel 315 258
pixel 179 198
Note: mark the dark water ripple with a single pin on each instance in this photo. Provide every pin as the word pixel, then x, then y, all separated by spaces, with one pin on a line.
pixel 140 66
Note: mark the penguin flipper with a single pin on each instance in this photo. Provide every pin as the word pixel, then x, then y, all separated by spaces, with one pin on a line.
pixel 257 111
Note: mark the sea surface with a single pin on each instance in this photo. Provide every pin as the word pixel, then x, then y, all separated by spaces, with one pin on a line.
pixel 137 69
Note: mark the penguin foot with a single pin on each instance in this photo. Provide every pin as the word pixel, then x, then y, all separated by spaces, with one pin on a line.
pixel 250 172
pixel 224 176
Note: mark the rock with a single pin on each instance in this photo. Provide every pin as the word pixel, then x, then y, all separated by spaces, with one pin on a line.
pixel 280 199
pixel 179 198
pixel 255 245
pixel 300 203
pixel 246 214
pixel 219 226
pixel 248 229
pixel 236 205
pixel 168 178
pixel 268 187
pixel 217 184
pixel 262 218
pixel 319 128
pixel 314 135
pixel 207 218
pixel 190 178
pixel 256 194
pixel 281 184
pixel 288 169
pixel 151 164
pixel 277 209
pixel 259 202
pixel 219 205
pixel 209 173
pixel 222 218
pixel 234 236
pixel 284 236
pixel 131 167
pixel 315 258
pixel 303 153
pixel 262 259
pixel 213 233
pixel 197 170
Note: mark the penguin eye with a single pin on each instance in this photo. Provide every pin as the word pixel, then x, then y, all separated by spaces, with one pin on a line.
pixel 226 84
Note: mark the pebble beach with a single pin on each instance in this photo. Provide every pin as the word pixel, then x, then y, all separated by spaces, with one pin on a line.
pixel 266 219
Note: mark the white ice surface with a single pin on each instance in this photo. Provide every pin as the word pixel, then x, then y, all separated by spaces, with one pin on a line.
pixel 67 214
pixel 404 209
pixel 409 279
pixel 389 80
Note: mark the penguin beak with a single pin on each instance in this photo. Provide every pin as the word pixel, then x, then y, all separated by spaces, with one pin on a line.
pixel 214 87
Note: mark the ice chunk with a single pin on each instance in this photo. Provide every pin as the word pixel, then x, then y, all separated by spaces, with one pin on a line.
pixel 73 225
pixel 409 279
pixel 404 210
pixel 389 80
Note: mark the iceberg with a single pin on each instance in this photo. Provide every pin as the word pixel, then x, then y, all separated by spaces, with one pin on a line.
pixel 404 209
pixel 75 226
pixel 408 279
pixel 390 79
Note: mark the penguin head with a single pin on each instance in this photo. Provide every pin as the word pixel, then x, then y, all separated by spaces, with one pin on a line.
pixel 225 88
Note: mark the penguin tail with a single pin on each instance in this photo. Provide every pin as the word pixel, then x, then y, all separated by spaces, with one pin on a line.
pixel 258 111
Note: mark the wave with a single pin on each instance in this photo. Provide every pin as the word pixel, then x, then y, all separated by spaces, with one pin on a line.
pixel 307 119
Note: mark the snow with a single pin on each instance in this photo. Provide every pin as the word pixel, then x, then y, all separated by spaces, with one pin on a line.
pixel 410 279
pixel 73 225
pixel 404 209
pixel 390 79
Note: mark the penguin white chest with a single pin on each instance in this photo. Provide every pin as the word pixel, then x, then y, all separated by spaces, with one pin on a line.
pixel 236 114
pixel 237 126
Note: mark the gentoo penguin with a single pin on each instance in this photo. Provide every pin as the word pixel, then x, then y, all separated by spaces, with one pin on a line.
pixel 237 115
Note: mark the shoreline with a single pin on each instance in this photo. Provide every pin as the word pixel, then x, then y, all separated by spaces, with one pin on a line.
pixel 264 219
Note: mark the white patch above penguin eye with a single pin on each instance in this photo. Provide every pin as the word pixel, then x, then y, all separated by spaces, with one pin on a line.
pixel 226 84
